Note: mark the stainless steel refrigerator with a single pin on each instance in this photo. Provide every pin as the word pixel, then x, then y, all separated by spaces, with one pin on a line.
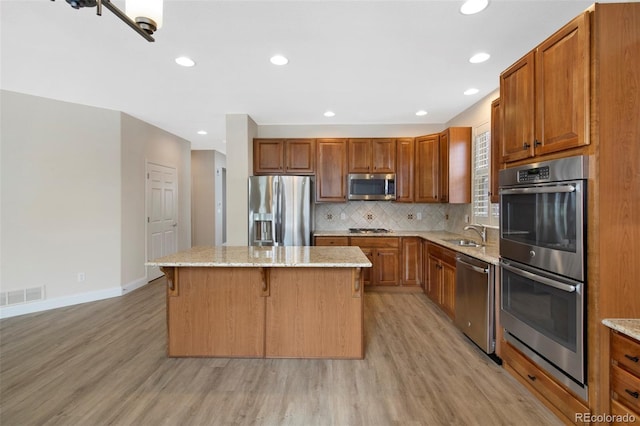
pixel 281 210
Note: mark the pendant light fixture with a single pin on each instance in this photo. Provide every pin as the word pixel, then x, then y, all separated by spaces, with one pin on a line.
pixel 144 16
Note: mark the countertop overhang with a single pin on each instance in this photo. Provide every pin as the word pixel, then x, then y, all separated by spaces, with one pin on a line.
pixel 274 257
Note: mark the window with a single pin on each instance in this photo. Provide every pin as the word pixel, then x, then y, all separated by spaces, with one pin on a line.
pixel 483 212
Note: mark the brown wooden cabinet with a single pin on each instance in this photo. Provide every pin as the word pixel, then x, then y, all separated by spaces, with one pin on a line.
pixel 376 155
pixel 545 96
pixel 427 169
pixel 384 254
pixel 404 170
pixel 331 241
pixel 441 277
pixel 284 156
pixel 411 260
pixel 331 170
pixel 496 140
pixel 455 165
pixel 625 375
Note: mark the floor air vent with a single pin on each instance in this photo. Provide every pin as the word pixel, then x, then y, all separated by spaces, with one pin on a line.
pixel 15 297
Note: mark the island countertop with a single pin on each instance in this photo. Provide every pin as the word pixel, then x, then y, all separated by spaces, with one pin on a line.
pixel 250 256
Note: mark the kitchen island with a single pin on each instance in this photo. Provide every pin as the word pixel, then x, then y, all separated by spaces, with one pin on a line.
pixel 265 302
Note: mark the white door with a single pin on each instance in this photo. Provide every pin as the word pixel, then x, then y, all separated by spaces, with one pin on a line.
pixel 162 220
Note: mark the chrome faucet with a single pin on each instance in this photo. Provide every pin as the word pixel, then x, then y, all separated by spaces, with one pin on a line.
pixel 480 229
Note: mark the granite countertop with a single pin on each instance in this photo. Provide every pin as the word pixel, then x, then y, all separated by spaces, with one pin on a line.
pixel 489 253
pixel 630 327
pixel 249 256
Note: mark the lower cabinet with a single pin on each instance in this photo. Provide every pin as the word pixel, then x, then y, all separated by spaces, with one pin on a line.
pixel 411 258
pixel 440 272
pixel 384 254
pixel 625 377
pixel 554 395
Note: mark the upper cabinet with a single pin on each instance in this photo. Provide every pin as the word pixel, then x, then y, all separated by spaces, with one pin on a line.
pixel 455 165
pixel 372 155
pixel 496 140
pixel 427 169
pixel 284 156
pixel 331 172
pixel 443 167
pixel 404 170
pixel 545 96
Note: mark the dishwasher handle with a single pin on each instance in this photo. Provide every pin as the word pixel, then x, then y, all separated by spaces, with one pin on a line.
pixel 474 267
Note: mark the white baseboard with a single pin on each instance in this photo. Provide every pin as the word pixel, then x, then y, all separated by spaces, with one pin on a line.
pixel 59 302
pixel 134 285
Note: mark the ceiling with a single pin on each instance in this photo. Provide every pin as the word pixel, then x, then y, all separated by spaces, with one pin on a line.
pixel 368 61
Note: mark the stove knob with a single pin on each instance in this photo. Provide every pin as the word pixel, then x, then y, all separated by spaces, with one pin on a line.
pixel 532 253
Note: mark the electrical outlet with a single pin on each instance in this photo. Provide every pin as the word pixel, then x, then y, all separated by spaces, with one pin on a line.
pixel 343 216
pixel 81 277
pixel 419 216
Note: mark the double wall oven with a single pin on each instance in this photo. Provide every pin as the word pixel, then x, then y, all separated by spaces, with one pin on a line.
pixel 543 265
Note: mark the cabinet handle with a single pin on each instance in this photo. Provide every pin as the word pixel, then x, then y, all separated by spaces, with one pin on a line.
pixel 632 358
pixel 533 378
pixel 537 143
pixel 634 394
pixel 526 145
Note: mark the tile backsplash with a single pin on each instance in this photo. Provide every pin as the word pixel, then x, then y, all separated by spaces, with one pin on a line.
pixel 395 216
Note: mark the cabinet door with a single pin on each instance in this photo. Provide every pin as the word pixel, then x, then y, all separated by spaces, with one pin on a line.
pixel 444 166
pixel 404 170
pixel 387 267
pixel 448 291
pixel 331 175
pixel 433 284
pixel 411 261
pixel 562 88
pixel 496 138
pixel 383 155
pixel 300 156
pixel 517 104
pixel 359 155
pixel 368 273
pixel 268 156
pixel 427 169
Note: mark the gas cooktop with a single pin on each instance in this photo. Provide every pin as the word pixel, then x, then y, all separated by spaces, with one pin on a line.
pixel 368 230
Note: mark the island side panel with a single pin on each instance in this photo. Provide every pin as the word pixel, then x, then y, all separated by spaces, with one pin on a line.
pixel 216 312
pixel 315 313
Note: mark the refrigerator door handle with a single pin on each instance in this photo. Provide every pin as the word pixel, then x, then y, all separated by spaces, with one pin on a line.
pixel 277 219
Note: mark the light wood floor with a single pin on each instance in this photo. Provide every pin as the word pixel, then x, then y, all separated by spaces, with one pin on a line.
pixel 104 363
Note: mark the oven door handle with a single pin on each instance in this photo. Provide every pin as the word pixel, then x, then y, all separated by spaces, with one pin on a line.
pixel 560 286
pixel 538 190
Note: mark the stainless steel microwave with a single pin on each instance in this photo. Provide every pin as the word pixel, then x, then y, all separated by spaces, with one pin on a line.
pixel 372 186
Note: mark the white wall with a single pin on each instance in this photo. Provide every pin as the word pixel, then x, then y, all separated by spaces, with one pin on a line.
pixel 141 143
pixel 60 196
pixel 241 130
pixel 73 199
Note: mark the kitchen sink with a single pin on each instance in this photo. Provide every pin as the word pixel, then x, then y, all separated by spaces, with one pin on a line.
pixel 463 243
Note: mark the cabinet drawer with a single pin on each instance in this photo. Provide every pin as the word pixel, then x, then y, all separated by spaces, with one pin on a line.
pixel 622 416
pixel 544 386
pixel 625 352
pixel 625 388
pixel 442 253
pixel 376 242
pixel 332 241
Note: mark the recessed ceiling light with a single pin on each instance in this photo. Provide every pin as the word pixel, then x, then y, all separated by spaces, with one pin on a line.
pixel 421 113
pixel 185 62
pixel 479 57
pixel 471 91
pixel 473 6
pixel 202 132
pixel 279 60
pixel 329 114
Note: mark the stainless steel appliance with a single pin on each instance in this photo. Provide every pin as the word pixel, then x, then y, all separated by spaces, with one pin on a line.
pixel 281 210
pixel 475 301
pixel 372 186
pixel 543 265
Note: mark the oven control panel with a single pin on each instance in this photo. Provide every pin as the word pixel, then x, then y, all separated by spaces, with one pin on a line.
pixel 533 175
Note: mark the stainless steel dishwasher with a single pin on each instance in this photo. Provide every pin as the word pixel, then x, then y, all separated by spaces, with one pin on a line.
pixel 475 301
